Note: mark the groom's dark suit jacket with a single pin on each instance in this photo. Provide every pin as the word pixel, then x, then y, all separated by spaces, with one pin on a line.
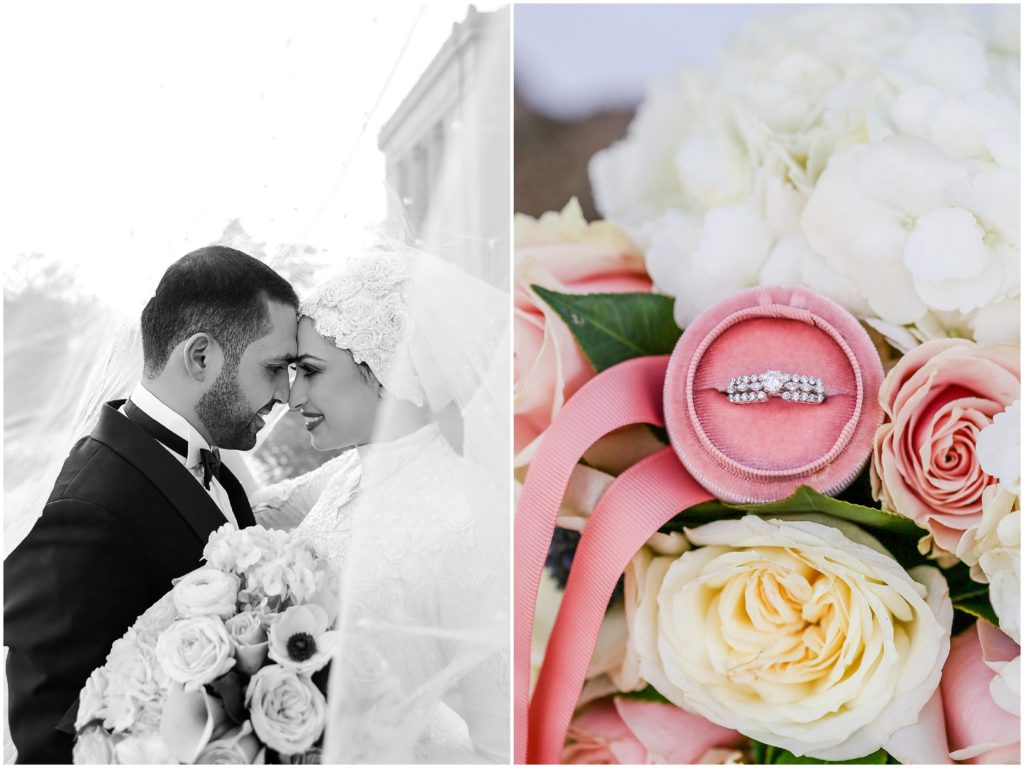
pixel 125 517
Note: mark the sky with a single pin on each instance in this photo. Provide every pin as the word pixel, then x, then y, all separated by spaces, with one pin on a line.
pixel 134 132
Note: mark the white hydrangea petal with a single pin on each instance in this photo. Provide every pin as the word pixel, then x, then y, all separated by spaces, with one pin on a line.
pixel 946 244
pixel 998 448
pixel 735 244
pixel 915 108
pixel 782 267
pixel 997 323
pixel 673 237
pixel 891 294
pixel 713 168
pixel 960 69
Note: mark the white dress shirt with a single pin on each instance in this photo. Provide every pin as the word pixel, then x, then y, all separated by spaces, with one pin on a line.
pixel 151 405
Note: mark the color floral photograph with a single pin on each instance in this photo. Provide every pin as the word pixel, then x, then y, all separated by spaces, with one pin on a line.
pixel 767 384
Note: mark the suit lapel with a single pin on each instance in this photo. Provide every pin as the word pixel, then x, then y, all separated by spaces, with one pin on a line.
pixel 165 472
pixel 239 501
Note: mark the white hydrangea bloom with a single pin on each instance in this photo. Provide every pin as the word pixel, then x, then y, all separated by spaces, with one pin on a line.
pixel 842 153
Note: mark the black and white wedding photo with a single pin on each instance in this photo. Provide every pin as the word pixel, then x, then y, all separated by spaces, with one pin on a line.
pixel 257 382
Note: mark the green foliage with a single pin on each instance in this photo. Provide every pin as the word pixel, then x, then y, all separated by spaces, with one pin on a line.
pixel 646 694
pixel 804 499
pixel 768 755
pixel 613 327
pixel 969 596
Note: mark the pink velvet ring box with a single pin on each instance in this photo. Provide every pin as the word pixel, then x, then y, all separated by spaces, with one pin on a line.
pixel 763 451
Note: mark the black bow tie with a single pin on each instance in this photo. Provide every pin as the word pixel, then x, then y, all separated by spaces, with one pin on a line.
pixel 210 458
pixel 211 465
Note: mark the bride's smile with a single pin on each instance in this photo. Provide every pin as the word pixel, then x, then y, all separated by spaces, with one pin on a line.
pixel 313 420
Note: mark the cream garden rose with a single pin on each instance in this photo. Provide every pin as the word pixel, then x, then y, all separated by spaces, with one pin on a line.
pixel 797 633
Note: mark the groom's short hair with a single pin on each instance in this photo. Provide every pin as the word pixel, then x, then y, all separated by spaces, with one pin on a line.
pixel 215 290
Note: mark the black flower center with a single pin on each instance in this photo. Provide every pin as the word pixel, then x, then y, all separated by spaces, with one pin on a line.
pixel 301 646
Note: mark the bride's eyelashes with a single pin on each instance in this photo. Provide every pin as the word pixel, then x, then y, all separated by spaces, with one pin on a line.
pixel 306 371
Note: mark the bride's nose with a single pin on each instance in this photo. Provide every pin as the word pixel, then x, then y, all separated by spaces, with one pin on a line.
pixel 297 394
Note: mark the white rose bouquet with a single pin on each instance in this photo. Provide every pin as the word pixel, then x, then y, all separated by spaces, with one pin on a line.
pixel 869 154
pixel 228 667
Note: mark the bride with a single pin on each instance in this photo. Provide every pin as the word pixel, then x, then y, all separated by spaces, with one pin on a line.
pixel 394 352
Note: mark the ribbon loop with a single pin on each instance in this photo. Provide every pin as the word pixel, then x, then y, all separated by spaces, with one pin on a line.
pixel 628 393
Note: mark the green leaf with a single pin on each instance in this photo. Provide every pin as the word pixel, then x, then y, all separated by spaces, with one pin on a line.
pixel 804 499
pixel 613 327
pixel 646 694
pixel 769 755
pixel 968 596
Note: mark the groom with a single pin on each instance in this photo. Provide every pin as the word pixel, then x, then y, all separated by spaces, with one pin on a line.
pixel 137 499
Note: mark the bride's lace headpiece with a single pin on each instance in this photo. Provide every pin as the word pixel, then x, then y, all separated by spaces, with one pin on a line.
pixel 362 309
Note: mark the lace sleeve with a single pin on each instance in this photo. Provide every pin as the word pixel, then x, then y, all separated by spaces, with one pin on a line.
pixel 285 504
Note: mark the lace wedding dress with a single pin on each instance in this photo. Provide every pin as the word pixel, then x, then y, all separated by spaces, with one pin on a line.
pixel 426 574
pixel 419 532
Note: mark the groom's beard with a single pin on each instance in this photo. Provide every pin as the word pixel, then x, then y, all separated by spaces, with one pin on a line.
pixel 225 415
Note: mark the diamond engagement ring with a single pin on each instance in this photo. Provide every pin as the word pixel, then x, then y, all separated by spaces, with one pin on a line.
pixel 758 387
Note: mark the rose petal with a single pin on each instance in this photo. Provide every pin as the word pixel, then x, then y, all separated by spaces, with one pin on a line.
pixel 975 723
pixel 672 735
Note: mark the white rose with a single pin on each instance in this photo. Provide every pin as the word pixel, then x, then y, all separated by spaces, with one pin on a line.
pixel 794 634
pixel 288 712
pixel 93 746
pixel 206 592
pixel 195 651
pixel 992 549
pixel 157 617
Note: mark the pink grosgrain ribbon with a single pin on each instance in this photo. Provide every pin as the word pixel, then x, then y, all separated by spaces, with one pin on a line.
pixel 636 505
pixel 628 393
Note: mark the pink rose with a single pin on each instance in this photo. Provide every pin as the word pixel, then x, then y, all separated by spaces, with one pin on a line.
pixel 979 730
pixel 937 399
pixel 627 731
pixel 561 252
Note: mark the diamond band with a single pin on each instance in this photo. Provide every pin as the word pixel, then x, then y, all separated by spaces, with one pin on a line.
pixel 758 387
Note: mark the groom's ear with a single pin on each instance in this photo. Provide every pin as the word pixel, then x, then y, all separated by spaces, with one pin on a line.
pixel 203 357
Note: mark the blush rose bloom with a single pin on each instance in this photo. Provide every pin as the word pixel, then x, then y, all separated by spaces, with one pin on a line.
pixel 560 252
pixel 979 729
pixel 206 592
pixel 619 730
pixel 937 399
pixel 195 651
pixel 287 711
pixel 803 635
pixel 249 639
